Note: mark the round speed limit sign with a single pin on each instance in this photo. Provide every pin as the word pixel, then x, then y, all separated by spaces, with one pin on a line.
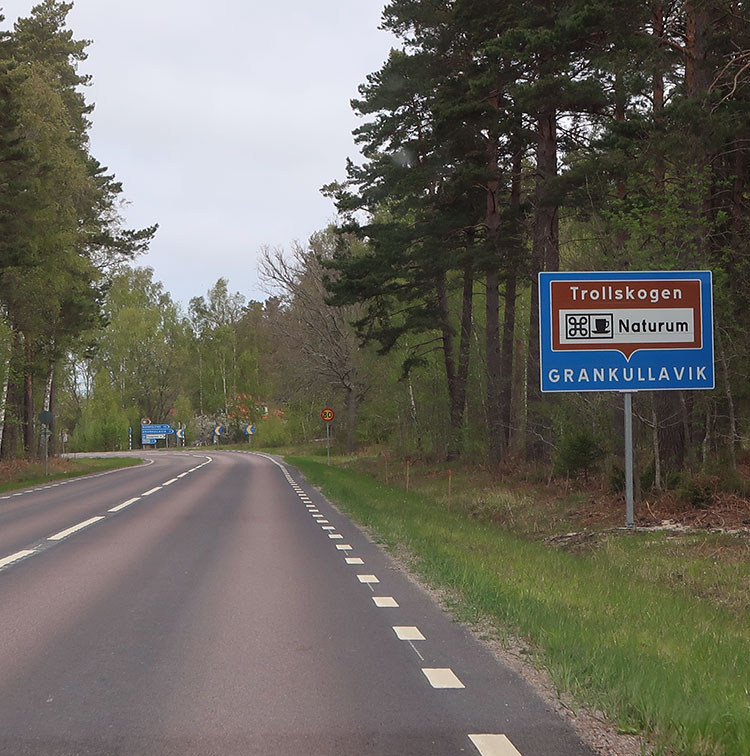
pixel 328 414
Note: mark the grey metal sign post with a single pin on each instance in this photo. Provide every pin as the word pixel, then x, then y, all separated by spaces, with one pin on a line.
pixel 327 416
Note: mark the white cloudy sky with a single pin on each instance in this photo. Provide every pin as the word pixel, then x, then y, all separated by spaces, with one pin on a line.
pixel 223 119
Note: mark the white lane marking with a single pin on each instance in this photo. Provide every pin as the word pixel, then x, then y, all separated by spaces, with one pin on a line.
pixel 81 525
pixel 321 522
pixel 124 504
pixel 442 677
pixel 335 536
pixel 169 482
pixel 15 557
pixel 313 509
pixel 344 546
pixel 354 560
pixel 494 745
pixel 367 579
pixel 182 475
pixel 153 490
pixel 408 633
pixel 192 469
pixel 385 601
pixel 327 527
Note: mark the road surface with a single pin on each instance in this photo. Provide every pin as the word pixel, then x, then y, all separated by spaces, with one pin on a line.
pixel 214 604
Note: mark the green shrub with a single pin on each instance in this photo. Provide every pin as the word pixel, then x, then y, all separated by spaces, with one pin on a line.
pixel 579 452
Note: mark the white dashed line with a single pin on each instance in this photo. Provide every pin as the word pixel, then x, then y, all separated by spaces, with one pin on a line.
pixel 169 482
pixel 153 490
pixel 494 745
pixel 442 677
pixel 81 525
pixel 124 504
pixel 321 522
pixel 182 475
pixel 385 601
pixel 367 579
pixel 15 557
pixel 335 536
pixel 327 527
pixel 344 546
pixel 354 560
pixel 409 633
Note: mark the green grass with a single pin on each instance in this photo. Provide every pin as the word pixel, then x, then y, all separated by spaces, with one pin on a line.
pixel 25 474
pixel 655 660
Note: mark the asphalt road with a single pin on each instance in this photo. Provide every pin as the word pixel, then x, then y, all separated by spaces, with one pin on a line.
pixel 214 604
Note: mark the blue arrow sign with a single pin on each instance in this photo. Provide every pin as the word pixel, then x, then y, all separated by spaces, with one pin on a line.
pixel 218 430
pixel 154 428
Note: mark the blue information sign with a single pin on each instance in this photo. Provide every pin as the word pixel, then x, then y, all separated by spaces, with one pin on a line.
pixel 154 428
pixel 623 331
pixel 152 432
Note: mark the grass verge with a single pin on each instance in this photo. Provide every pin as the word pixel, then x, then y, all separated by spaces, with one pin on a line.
pixel 654 661
pixel 22 474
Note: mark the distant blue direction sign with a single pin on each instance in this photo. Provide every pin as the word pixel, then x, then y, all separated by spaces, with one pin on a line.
pixel 157 428
pixel 218 430
pixel 249 430
pixel 153 432
pixel 622 331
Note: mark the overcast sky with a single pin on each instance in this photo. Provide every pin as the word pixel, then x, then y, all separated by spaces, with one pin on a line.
pixel 223 119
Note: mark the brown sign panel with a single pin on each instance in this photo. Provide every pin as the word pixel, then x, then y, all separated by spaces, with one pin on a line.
pixel 626 316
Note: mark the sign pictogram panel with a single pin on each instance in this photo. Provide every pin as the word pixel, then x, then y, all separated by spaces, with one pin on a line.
pixel 618 331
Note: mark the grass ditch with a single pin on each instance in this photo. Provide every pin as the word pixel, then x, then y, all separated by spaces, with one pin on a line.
pixel 24 474
pixel 655 660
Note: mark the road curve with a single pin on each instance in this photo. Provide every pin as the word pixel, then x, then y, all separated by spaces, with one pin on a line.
pixel 215 604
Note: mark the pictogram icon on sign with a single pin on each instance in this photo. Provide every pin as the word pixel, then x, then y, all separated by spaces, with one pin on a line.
pixel 328 414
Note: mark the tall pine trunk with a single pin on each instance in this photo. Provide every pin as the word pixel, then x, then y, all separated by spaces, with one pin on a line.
pixel 28 399
pixel 511 283
pixel 492 298
pixel 545 255
pixel 456 375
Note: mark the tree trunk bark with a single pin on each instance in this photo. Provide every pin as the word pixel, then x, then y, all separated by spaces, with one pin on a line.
pixel 494 370
pixel 492 301
pixel 545 255
pixel 4 395
pixel 655 441
pixel 730 402
pixel 351 403
pixel 28 400
pixel 415 417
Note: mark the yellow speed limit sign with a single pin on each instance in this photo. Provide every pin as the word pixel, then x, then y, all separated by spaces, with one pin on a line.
pixel 328 414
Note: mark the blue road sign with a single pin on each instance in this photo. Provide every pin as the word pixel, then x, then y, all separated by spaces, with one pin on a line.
pixel 157 428
pixel 218 430
pixel 622 331
pixel 180 433
pixel 249 430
